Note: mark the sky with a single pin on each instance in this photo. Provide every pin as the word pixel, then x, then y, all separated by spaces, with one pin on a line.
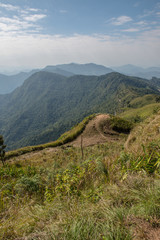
pixel 37 33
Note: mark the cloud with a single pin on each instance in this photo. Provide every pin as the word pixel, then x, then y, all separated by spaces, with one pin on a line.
pixel 147 13
pixel 34 51
pixel 9 7
pixel 35 17
pixel 131 30
pixel 141 23
pixel 16 25
pixel 63 11
pixel 21 20
pixel 120 20
pixel 33 9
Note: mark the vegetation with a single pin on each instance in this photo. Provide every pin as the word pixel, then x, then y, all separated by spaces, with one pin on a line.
pixel 112 193
pixel 49 101
pixel 121 125
pixel 2 150
pixel 143 101
pixel 139 114
pixel 65 138
pixel 52 191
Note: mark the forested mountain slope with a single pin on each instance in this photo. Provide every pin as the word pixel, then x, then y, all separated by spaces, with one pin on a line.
pixel 48 104
pixel 10 83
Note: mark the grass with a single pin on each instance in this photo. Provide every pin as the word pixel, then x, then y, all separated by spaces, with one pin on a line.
pixel 116 123
pixel 57 195
pixel 110 194
pixel 140 114
pixel 144 100
pixel 144 133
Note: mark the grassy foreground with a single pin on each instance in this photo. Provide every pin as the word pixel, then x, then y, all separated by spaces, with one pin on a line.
pixel 57 195
pixel 110 194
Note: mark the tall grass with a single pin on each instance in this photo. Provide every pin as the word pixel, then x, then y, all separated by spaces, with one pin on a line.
pixel 100 197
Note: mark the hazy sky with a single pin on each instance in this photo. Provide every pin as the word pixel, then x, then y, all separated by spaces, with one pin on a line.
pixel 36 33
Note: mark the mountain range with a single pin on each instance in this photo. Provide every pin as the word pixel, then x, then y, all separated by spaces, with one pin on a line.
pixel 9 83
pixel 48 104
pixel 132 70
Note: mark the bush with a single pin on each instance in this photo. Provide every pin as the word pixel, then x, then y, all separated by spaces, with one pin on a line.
pixel 120 125
pixel 28 184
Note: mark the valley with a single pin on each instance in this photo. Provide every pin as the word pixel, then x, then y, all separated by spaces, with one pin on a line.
pixel 82 160
pixel 53 99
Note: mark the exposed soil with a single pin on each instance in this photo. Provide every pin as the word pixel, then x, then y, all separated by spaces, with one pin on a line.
pixel 145 230
pixel 97 131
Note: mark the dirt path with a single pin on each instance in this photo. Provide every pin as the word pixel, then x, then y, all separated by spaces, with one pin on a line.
pixel 96 131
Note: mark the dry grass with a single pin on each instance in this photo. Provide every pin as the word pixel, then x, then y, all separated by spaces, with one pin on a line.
pixel 54 194
pixel 144 133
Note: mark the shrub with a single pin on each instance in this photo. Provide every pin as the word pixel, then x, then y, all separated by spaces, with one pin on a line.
pixel 28 184
pixel 2 150
pixel 121 125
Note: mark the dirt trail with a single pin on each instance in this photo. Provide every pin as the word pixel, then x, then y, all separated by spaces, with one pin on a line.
pixel 96 131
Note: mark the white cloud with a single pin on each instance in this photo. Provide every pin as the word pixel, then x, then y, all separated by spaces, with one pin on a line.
pixel 120 20
pixel 147 13
pixel 33 9
pixel 16 25
pixel 9 7
pixel 35 17
pixel 131 30
pixel 21 21
pixel 34 51
pixel 141 23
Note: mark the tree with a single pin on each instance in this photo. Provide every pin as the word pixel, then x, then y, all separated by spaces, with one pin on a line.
pixel 2 150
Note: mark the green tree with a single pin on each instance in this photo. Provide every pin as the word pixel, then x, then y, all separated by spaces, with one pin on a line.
pixel 2 150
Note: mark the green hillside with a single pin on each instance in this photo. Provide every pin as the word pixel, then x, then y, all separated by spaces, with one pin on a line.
pixel 139 114
pixel 48 104
pixel 111 192
pixel 155 81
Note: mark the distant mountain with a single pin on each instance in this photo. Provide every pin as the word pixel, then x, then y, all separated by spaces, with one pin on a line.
pixel 128 69
pixel 132 70
pixel 85 69
pixel 48 104
pixel 10 83
pixel 58 70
